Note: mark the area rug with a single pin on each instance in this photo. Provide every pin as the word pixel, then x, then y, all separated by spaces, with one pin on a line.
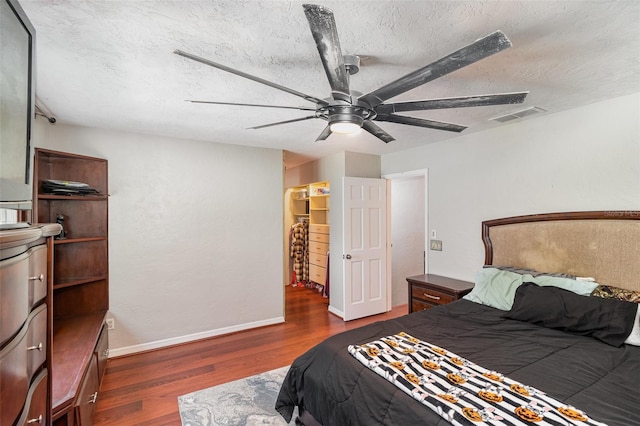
pixel 249 401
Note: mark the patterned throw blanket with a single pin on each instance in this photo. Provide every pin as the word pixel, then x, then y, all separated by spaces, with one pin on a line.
pixel 460 391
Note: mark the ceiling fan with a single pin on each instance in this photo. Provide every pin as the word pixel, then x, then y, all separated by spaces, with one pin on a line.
pixel 347 111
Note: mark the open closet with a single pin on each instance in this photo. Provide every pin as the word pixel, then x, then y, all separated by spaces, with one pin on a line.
pixel 307 251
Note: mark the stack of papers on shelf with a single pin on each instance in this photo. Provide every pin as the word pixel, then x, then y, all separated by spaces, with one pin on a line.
pixel 66 187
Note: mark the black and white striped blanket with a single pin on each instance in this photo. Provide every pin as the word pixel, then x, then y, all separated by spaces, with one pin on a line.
pixel 460 391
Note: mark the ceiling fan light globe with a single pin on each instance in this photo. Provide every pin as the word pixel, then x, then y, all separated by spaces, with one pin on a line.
pixel 344 127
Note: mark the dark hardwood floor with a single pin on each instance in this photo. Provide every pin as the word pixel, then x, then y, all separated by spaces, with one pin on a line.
pixel 142 389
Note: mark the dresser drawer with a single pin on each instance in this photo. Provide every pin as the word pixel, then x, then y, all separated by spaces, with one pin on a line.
pixel 318 259
pixel 88 395
pixel 431 296
pixel 36 348
pixel 102 352
pixel 317 274
pixel 319 229
pixel 37 275
pixel 23 283
pixel 14 295
pixel 35 409
pixel 19 360
pixel 316 247
pixel 321 238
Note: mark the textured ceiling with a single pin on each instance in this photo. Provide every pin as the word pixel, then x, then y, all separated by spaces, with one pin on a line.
pixel 110 64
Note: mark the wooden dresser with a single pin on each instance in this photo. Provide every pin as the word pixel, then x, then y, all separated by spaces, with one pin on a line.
pixel 25 324
pixel 428 290
pixel 318 249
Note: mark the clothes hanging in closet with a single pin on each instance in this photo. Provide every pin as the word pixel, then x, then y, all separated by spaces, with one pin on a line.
pixel 299 239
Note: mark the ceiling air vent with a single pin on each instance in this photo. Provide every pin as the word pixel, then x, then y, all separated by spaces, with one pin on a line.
pixel 518 114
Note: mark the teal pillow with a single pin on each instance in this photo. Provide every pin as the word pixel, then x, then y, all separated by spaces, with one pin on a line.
pixel 495 288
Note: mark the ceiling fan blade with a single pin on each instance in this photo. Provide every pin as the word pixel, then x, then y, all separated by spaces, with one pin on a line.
pixel 325 134
pixel 251 105
pixel 325 33
pixel 250 77
pixel 283 122
pixel 480 49
pixel 461 102
pixel 376 131
pixel 420 122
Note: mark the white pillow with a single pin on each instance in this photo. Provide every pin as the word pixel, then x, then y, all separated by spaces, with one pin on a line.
pixel 634 337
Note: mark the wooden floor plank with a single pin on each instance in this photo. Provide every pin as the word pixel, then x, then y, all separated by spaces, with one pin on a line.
pixel 143 389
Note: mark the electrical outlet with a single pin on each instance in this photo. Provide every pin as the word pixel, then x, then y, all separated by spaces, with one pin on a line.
pixel 111 323
pixel 436 245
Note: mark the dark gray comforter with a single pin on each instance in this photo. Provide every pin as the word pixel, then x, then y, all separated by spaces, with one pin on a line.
pixel 337 390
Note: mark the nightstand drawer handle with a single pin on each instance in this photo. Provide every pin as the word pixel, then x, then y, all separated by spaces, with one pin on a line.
pixel 92 398
pixel 38 278
pixel 431 297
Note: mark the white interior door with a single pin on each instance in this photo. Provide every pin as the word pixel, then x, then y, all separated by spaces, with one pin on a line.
pixel 364 247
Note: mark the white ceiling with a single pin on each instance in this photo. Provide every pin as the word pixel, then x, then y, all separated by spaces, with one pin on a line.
pixel 110 64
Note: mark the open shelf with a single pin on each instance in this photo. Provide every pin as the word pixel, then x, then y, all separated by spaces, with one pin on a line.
pixel 72 197
pixel 74 340
pixel 80 298
pixel 78 240
pixel 70 282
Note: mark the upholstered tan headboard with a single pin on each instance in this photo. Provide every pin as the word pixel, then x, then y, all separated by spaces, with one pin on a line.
pixel 604 245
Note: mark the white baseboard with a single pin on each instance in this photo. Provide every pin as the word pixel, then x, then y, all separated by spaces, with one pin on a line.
pixel 128 350
pixel 336 312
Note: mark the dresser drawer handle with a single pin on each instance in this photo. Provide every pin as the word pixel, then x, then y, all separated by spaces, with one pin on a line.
pixel 93 398
pixel 431 296
pixel 38 278
pixel 36 420
pixel 36 347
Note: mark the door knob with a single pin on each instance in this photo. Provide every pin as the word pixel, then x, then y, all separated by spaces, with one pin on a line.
pixel 348 256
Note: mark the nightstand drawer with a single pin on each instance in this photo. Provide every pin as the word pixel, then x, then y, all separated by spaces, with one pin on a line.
pixel 431 296
pixel 419 305
pixel 428 290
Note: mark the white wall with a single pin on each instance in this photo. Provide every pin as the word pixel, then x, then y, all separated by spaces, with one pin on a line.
pixel 583 159
pixel 195 245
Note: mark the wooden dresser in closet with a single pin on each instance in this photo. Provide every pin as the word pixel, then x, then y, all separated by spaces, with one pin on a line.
pixel 25 324
pixel 318 248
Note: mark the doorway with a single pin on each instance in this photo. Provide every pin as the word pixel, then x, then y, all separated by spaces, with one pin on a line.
pixel 409 224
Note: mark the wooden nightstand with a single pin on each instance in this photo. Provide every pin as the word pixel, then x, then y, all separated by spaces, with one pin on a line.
pixel 428 290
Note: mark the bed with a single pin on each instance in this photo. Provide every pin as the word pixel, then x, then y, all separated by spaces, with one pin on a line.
pixel 554 316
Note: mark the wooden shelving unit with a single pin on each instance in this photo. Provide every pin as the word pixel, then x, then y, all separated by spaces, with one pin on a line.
pixel 80 283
